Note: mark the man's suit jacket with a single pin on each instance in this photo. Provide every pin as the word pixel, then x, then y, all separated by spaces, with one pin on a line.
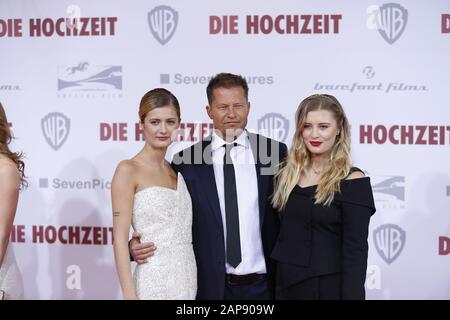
pixel 195 164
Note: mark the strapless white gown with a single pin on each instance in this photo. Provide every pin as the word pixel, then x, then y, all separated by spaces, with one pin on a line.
pixel 164 216
pixel 10 277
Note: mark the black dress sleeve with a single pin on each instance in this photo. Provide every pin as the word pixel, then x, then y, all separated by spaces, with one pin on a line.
pixel 356 200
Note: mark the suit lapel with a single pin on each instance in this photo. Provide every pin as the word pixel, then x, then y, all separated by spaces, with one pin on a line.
pixel 208 180
pixel 262 180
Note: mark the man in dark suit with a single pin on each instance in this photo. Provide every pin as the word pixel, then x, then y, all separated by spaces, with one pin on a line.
pixel 230 179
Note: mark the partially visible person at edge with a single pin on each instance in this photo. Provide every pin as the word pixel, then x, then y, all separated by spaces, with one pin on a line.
pixel 230 178
pixel 325 206
pixel 12 179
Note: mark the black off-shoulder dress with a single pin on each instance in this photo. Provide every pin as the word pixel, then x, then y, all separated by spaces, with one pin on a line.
pixel 321 251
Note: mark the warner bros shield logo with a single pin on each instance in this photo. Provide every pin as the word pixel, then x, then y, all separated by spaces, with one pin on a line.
pixel 55 127
pixel 389 241
pixel 163 21
pixel 274 125
pixel 391 21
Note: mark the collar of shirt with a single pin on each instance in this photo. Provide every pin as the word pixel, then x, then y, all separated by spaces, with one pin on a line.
pixel 217 142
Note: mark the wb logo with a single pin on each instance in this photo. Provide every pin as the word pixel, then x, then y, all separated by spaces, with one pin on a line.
pixel 163 21
pixel 55 127
pixel 389 241
pixel 390 19
pixel 274 125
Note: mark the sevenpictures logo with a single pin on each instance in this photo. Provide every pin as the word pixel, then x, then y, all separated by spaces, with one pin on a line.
pixel 67 184
pixel 194 79
pixel 84 80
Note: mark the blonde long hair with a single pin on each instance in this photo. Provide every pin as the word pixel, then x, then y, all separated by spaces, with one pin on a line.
pixel 5 139
pixel 299 157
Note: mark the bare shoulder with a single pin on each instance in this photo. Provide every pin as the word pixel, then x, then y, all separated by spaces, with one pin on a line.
pixel 125 172
pixel 8 171
pixel 126 167
pixel 356 175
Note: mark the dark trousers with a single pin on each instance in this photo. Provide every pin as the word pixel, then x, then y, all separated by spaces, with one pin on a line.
pixel 258 290
pixel 325 287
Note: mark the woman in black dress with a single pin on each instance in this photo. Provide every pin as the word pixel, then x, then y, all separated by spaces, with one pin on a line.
pixel 325 206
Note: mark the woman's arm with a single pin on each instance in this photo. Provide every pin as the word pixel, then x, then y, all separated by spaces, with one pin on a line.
pixel 9 195
pixel 122 194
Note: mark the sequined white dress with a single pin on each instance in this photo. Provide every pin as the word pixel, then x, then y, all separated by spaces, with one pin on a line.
pixel 10 278
pixel 164 216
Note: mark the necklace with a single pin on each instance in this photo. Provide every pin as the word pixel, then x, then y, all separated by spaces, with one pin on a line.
pixel 316 171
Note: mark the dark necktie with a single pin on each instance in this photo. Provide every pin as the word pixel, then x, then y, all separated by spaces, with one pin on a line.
pixel 231 209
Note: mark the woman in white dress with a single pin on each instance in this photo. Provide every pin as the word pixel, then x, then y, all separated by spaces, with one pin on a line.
pixel 148 195
pixel 12 179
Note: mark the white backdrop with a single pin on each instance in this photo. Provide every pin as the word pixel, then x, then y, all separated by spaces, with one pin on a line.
pixel 71 91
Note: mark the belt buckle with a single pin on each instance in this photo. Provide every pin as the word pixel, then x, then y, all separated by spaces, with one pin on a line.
pixel 230 280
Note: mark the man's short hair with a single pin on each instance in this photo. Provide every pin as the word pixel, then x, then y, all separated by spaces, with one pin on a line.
pixel 226 80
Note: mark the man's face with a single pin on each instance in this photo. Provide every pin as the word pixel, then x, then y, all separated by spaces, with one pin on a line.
pixel 229 111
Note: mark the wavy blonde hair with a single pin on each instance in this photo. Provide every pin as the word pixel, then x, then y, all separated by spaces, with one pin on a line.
pixel 5 139
pixel 299 157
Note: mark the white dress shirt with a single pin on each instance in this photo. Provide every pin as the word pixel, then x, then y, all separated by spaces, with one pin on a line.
pixel 247 197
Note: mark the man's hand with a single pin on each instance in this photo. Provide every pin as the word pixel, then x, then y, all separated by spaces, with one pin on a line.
pixel 141 251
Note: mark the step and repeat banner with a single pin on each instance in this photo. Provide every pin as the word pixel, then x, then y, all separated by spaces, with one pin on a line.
pixel 72 74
